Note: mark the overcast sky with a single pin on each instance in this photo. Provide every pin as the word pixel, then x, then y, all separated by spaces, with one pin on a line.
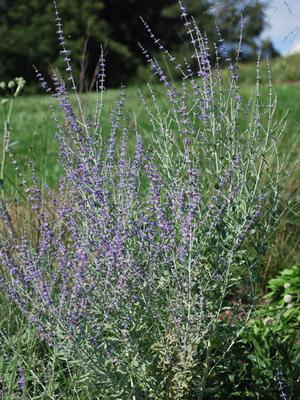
pixel 284 19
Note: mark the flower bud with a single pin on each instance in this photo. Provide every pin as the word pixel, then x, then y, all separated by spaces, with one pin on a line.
pixel 288 298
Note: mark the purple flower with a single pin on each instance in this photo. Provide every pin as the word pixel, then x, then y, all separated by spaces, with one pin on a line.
pixel 21 379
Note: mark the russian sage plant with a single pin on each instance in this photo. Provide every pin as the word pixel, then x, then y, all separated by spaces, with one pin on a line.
pixel 142 266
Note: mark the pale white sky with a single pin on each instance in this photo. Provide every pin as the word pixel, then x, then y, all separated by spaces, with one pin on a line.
pixel 284 19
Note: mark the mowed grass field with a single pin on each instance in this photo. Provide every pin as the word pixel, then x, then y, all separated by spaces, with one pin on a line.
pixel 33 129
pixel 48 371
pixel 33 138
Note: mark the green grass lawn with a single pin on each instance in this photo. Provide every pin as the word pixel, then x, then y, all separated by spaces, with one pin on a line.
pixel 33 137
pixel 33 129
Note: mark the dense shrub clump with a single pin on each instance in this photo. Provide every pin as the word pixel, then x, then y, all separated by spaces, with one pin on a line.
pixel 141 266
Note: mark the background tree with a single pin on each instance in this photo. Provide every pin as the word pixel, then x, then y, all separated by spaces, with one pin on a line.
pixel 28 29
pixel 228 15
pixel 28 35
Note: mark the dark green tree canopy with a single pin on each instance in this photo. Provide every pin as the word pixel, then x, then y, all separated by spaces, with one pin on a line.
pixel 27 31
